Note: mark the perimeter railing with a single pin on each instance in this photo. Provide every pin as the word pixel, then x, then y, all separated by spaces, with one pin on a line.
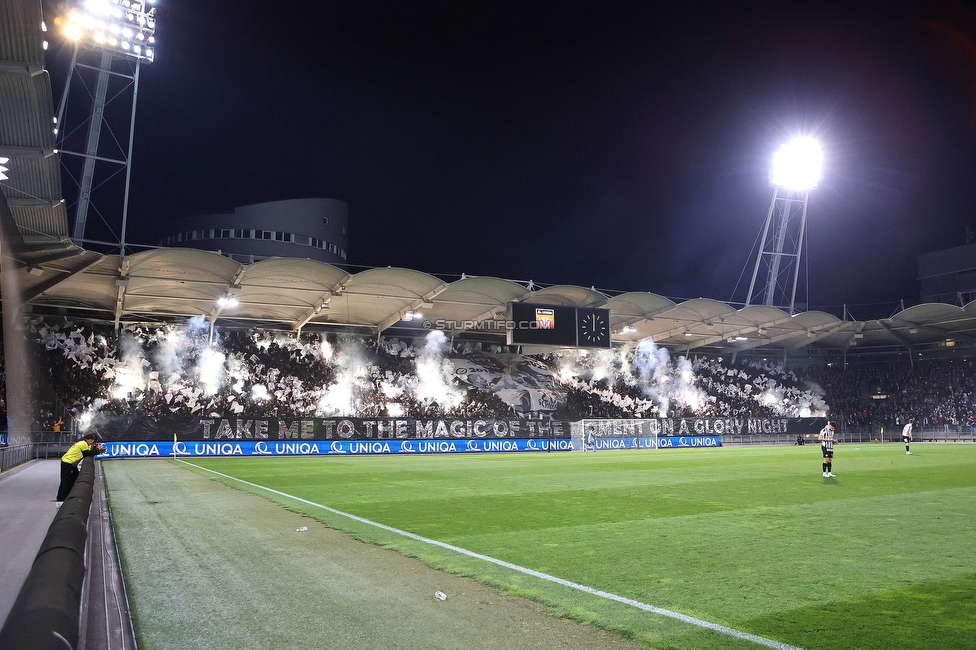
pixel 36 445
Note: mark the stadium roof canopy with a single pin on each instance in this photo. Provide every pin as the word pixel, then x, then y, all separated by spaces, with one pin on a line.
pixel 172 284
pixel 291 294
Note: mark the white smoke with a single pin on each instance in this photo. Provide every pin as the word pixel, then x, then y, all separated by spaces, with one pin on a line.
pixel 259 393
pixel 129 375
pixel 325 350
pixel 210 370
pixel 667 383
pixel 350 379
pixel 168 355
pixel 435 372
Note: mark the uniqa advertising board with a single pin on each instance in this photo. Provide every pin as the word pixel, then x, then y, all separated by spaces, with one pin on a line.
pixel 210 448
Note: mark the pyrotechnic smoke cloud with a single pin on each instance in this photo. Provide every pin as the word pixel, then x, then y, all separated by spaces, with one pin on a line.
pixel 435 373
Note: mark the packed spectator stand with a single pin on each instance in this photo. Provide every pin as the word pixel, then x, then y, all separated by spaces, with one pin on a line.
pixel 172 369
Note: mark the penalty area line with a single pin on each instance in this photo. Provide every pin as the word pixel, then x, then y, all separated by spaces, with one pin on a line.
pixel 722 629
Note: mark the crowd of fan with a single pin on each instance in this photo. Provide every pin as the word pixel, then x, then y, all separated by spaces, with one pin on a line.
pixel 175 371
pixel 934 393
pixel 154 372
pixel 717 390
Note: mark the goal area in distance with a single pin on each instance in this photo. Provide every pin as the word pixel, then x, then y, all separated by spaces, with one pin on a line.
pixel 613 434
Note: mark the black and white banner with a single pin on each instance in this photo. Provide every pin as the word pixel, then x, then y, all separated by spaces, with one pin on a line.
pixel 134 428
pixel 712 427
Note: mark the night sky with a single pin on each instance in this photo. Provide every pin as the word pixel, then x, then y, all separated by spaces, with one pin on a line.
pixel 617 144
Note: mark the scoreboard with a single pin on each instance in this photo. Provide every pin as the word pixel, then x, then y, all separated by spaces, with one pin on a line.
pixel 558 326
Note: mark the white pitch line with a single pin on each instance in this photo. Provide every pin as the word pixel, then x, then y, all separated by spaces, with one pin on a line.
pixel 739 634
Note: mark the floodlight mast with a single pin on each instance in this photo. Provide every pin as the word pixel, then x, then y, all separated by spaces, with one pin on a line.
pixel 795 171
pixel 106 31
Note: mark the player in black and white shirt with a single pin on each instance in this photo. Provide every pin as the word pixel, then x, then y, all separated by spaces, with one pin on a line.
pixel 827 441
pixel 906 435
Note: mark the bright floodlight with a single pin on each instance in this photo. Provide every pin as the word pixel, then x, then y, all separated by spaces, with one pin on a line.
pixel 797 165
pixel 227 302
pixel 124 26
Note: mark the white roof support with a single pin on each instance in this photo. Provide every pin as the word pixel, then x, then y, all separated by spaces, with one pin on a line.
pixel 122 282
pixel 414 305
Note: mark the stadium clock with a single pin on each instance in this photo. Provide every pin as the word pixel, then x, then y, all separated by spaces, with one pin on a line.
pixel 593 328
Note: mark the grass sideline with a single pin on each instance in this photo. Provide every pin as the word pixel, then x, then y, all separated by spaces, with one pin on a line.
pixel 884 556
pixel 207 566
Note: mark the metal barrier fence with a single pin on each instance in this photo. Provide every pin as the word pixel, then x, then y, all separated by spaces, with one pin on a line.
pixel 15 455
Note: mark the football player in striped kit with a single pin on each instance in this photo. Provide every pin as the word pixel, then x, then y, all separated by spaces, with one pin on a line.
pixel 906 435
pixel 827 441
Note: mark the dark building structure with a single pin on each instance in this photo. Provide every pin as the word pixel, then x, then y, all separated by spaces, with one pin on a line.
pixel 316 229
pixel 948 275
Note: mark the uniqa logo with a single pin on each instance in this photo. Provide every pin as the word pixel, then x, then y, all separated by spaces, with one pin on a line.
pixel 121 450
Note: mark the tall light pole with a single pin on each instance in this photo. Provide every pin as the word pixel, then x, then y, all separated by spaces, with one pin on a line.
pixel 112 38
pixel 795 171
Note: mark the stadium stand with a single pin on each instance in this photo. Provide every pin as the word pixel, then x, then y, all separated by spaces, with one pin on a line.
pixel 172 369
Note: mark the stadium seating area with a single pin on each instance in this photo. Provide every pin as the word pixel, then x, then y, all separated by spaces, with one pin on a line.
pixel 175 369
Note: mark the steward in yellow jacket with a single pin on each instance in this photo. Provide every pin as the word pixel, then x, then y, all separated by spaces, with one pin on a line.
pixel 69 464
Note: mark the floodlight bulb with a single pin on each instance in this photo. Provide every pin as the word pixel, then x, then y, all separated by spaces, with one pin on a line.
pixel 73 31
pixel 227 302
pixel 797 165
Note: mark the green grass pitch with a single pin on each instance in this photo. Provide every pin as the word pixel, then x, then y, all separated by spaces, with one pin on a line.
pixel 883 556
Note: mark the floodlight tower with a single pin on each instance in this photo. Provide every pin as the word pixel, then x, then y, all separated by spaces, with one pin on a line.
pixel 795 171
pixel 112 38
